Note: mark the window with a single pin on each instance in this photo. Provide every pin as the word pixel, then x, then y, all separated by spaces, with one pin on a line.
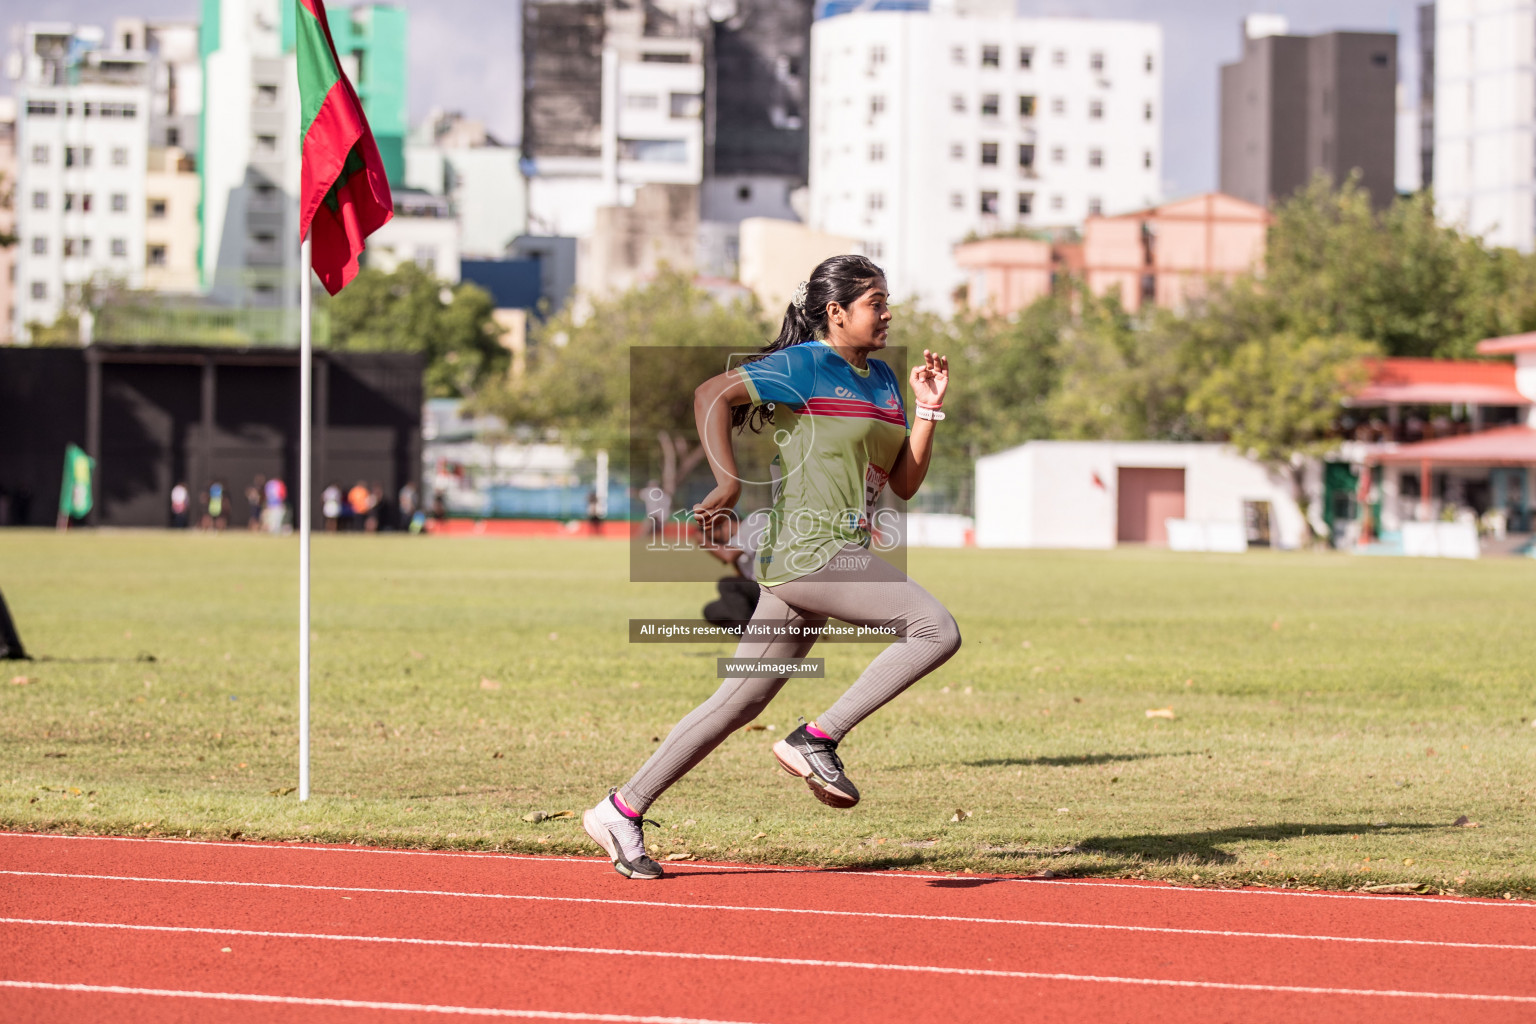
pixel 1026 203
pixel 956 201
pixel 119 247
pixel 1380 60
pixel 69 247
pixel 85 202
pixel 1095 206
pixel 874 250
pixel 685 104
pixel 654 151
pixel 1026 58
pixel 40 246
pixel 957 151
pixel 876 152
pixel 173 136
pixel 1096 60
pixel 1058 203
pixel 42 108
pixel 85 247
pixel 957 55
pixel 1026 106
pixel 264 238
pixel 126 111
pixel 69 201
pixel 120 203
pixel 1059 105
pixel 989 154
pixel 664 58
pixel 876 55
pixel 990 104
pixel 876 201
pixel 426 257
pixel 991 56
pixel 39 290
pixel 1095 158
pixel 157 208
pixel 155 256
pixel 642 101
pixel 87 109
pixel 1059 58
pixel 266 143
pixel 40 155
pixel 69 156
pixel 1146 113
pixel 744 193
pixel 877 105
pixel 39 200
pixel 119 156
pixel 266 94
pixel 85 156
pixel 1026 155
pixel 989 203
pixel 1058 155
pixel 1149 64
pixel 1146 159
pixel 1096 110
pixel 957 103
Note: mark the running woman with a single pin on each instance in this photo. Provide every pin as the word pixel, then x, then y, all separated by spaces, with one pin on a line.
pixel 842 433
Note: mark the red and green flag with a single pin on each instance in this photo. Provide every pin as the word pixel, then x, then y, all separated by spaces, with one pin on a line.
pixel 344 194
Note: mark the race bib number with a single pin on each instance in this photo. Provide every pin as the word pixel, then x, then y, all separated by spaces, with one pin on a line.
pixel 875 480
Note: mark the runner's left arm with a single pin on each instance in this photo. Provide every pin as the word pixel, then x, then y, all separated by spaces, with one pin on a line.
pixel 929 382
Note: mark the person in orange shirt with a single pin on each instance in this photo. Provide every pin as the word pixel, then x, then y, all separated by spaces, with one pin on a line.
pixel 359 500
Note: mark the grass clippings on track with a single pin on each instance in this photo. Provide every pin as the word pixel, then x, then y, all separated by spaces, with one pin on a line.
pixel 1332 716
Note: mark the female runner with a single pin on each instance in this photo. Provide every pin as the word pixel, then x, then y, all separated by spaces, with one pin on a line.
pixel 841 430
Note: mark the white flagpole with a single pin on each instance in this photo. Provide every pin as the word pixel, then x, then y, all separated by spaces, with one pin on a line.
pixel 306 386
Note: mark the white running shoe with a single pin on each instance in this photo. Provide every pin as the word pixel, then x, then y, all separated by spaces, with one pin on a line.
pixel 620 837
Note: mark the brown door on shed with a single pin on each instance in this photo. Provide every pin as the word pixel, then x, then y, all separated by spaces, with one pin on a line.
pixel 1148 497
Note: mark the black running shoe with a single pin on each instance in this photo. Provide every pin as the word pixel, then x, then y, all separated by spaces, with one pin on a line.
pixel 815 760
pixel 621 838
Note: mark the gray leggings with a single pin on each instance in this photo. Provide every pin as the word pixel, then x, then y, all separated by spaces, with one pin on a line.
pixel 856 587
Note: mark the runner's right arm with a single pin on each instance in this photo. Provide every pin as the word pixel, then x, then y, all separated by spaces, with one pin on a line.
pixel 712 404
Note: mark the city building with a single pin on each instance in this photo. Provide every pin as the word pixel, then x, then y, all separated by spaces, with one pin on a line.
pixel 776 255
pixel 453 156
pixel 423 231
pixel 249 155
pixel 931 126
pixel 1296 106
pixel 82 139
pixel 172 231
pixel 1425 130
pixel 8 196
pixel 1485 119
pixel 1164 255
pixel 612 101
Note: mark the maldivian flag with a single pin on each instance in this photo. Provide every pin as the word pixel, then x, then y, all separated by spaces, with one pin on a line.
pixel 344 194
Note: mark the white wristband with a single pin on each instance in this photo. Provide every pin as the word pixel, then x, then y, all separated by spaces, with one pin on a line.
pixel 925 413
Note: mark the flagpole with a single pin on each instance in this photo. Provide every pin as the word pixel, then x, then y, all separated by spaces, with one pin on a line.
pixel 306 386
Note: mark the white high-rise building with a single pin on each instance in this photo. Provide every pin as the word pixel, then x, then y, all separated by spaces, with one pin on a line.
pixel 82 135
pixel 928 127
pixel 1485 118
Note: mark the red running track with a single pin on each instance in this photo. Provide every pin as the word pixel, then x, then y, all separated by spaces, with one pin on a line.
pixel 166 930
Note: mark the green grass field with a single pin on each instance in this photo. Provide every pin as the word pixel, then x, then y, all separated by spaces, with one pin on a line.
pixel 1334 715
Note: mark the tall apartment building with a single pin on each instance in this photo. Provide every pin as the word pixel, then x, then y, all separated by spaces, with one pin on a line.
pixel 453 156
pixel 7 216
pixel 931 126
pixel 249 153
pixel 1485 118
pixel 82 140
pixel 612 101
pixel 1426 126
pixel 1293 106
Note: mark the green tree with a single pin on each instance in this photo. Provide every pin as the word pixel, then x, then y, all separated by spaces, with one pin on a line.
pixel 1278 397
pixel 410 310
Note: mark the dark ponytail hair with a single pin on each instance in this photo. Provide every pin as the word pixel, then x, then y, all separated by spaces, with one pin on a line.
pixel 839 279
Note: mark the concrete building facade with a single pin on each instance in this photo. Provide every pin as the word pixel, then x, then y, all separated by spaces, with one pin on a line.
pixel 1485 118
pixel 454 156
pixel 1295 106
pixel 8 196
pixel 172 190
pixel 81 140
pixel 931 126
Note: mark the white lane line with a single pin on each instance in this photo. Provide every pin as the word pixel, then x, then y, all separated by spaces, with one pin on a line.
pixel 782 910
pixel 1103 979
pixel 704 866
pixel 356 1004
pixel 537 948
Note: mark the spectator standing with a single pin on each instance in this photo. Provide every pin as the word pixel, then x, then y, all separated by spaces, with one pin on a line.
pixel 253 497
pixel 358 502
pixel 276 510
pixel 179 501
pixel 215 508
pixel 594 515
pixel 330 507
pixel 407 505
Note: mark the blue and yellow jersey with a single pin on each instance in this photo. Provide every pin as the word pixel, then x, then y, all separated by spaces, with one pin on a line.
pixel 839 430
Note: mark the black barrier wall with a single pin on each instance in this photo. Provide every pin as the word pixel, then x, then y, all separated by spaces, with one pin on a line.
pixel 153 416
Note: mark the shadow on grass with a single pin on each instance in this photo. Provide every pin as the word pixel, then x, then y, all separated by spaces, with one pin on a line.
pixel 55 660
pixel 1205 847
pixel 1068 760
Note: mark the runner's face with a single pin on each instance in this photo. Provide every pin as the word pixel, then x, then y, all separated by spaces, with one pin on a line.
pixel 866 323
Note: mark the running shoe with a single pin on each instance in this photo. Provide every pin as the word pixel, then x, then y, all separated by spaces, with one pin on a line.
pixel 620 836
pixel 815 760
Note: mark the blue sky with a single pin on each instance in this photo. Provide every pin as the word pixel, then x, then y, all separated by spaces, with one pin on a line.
pixel 465 55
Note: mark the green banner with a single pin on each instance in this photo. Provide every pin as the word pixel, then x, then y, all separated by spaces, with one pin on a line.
pixel 75 497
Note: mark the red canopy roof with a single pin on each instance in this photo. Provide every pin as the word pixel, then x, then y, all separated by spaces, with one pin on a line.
pixel 1502 446
pixel 1508 346
pixel 1439 382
